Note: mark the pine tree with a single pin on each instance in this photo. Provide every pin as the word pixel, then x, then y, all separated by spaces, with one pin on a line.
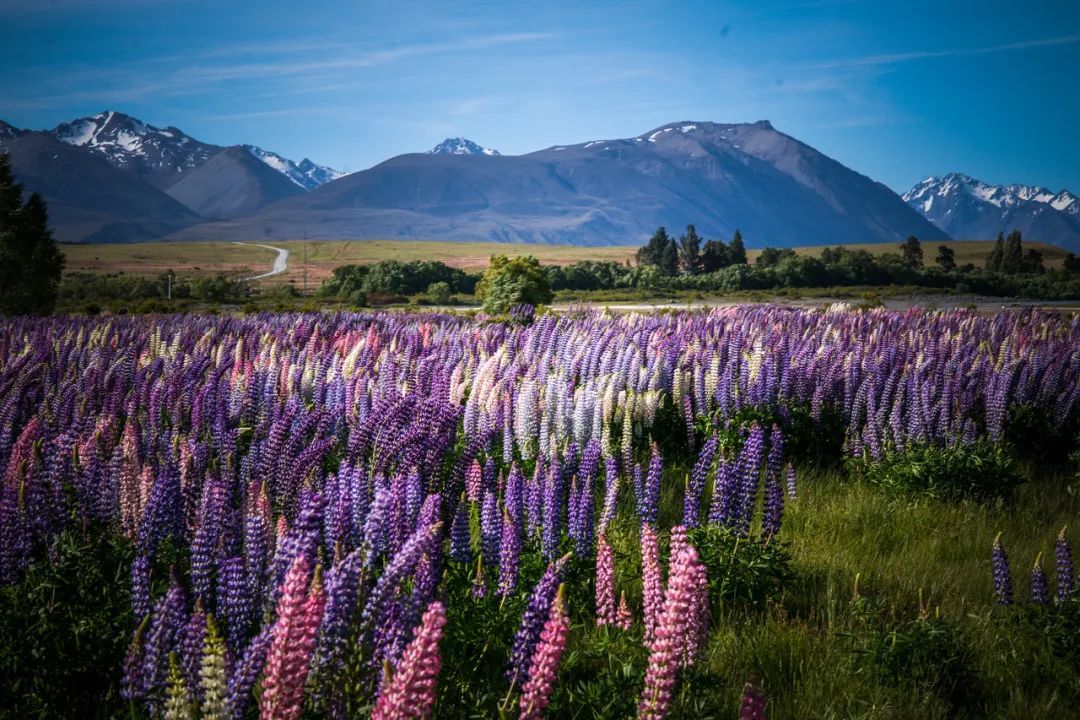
pixel 669 258
pixel 30 261
pixel 946 257
pixel 737 251
pixel 993 262
pixel 911 249
pixel 714 256
pixel 1012 259
pixel 652 253
pixel 690 251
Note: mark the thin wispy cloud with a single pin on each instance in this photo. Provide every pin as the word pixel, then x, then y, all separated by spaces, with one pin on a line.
pixel 903 57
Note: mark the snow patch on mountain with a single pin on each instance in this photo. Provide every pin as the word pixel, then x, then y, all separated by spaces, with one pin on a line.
pixel 460 146
pixel 306 174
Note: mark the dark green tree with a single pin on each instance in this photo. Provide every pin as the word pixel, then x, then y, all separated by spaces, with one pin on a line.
pixel 737 251
pixel 1032 261
pixel 508 282
pixel 993 262
pixel 1012 259
pixel 911 251
pixel 715 255
pixel 946 257
pixel 30 261
pixel 770 257
pixel 690 251
pixel 669 259
pixel 652 253
pixel 1071 264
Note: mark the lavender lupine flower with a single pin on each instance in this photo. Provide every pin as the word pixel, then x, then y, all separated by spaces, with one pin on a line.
pixel 749 476
pixel 696 483
pixel 611 492
pixel 753 703
pixel 651 580
pixel 668 646
pixel 1040 590
pixel 460 542
pixel 513 495
pixel 509 555
pixel 605 583
pixel 650 490
pixel 623 617
pixel 342 590
pixel 403 562
pixel 409 692
pixel 132 681
pixel 247 672
pixel 165 627
pixel 490 528
pixel 299 612
pixel 790 474
pixel 212 675
pixel 544 665
pixel 191 646
pixel 1002 578
pixel 532 622
pixel 553 505
pixel 235 603
pixel 1064 566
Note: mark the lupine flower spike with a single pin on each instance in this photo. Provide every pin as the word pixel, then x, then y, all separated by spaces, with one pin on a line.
pixel 1040 590
pixel 753 703
pixel 1064 566
pixel 409 693
pixel 623 617
pixel 605 583
pixel 1002 578
pixel 536 693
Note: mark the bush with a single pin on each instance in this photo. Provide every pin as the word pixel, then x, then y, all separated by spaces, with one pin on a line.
pixel 741 569
pixel 508 282
pixel 978 469
pixel 931 654
pixel 439 293
pixel 64 631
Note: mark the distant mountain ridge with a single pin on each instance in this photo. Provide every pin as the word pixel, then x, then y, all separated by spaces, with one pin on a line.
pixel 969 209
pixel 460 146
pixel 775 189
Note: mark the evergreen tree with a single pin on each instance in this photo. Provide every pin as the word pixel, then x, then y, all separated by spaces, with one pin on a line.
pixel 771 257
pixel 1032 262
pixel 946 258
pixel 669 259
pixel 652 253
pixel 715 255
pixel 1012 259
pixel 993 262
pixel 911 250
pixel 1072 264
pixel 30 261
pixel 690 251
pixel 737 251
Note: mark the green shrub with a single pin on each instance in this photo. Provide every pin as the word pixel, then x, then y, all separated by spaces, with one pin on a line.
pixel 979 469
pixel 741 569
pixel 64 631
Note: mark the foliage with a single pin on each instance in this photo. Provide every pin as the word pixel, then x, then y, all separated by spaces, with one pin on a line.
pixel 977 469
pixel 513 281
pixel 393 277
pixel 30 261
pixel 64 629
pixel 742 570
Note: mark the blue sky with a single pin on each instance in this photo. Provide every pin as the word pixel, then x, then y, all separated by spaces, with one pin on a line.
pixel 895 90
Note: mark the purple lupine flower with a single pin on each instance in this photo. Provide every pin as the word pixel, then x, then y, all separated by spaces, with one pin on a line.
pixel 513 499
pixel 750 461
pixel 409 693
pixel 553 504
pixel 460 543
pixel 235 604
pixel 611 492
pixel 1064 566
pixel 790 474
pixel 192 641
pixel 1002 578
pixel 490 528
pixel 342 590
pixel 544 664
pixel 532 622
pixel 247 671
pixel 1040 590
pixel 165 628
pixel 509 555
pixel 753 703
pixel 650 501
pixel 696 484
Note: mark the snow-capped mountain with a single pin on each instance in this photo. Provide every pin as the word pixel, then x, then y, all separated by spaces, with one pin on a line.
pixel 305 173
pixel 158 155
pixel 970 209
pixel 775 189
pixel 10 131
pixel 460 146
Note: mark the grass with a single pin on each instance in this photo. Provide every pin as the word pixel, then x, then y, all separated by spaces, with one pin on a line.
pixel 325 255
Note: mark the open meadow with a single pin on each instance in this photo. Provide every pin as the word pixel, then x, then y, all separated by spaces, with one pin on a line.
pixel 743 512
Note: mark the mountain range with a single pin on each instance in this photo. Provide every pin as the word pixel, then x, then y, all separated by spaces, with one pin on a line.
pixel 967 208
pixel 114 178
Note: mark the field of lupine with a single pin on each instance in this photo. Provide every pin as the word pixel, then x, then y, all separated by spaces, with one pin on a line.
pixel 750 512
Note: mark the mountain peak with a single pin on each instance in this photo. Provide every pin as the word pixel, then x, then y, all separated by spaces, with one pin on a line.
pixel 460 146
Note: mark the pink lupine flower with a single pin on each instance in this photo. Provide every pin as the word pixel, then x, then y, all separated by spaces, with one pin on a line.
pixel 668 645
pixel 536 693
pixel 753 703
pixel 651 580
pixel 299 613
pixel 410 691
pixel 605 583
pixel 623 617
pixel 697 623
pixel 474 479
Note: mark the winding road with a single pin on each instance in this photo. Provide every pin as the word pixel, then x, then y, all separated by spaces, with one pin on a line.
pixel 281 262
